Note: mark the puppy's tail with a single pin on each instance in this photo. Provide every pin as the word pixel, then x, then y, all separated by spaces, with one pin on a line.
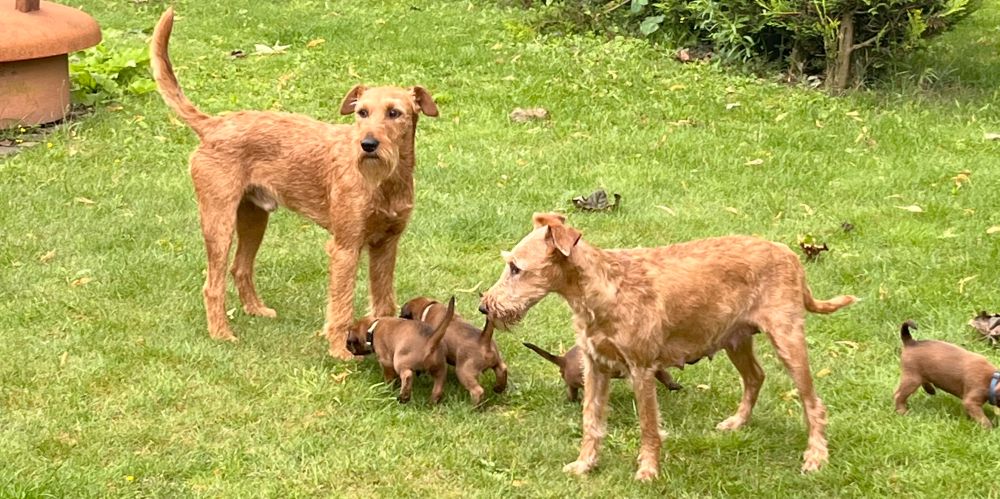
pixel 166 82
pixel 486 337
pixel 555 359
pixel 825 306
pixel 904 333
pixel 439 331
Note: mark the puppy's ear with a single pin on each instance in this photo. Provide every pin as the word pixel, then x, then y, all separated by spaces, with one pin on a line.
pixel 550 219
pixel 347 106
pixel 424 101
pixel 407 311
pixel 562 238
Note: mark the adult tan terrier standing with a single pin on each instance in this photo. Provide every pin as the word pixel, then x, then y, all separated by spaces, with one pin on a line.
pixel 354 181
pixel 641 310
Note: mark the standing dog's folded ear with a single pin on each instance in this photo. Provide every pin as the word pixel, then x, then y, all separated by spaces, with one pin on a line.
pixel 424 101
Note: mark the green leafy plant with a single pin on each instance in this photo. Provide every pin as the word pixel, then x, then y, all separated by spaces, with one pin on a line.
pixel 102 74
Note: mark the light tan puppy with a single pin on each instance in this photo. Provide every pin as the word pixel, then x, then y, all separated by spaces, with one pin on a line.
pixel 643 310
pixel 355 181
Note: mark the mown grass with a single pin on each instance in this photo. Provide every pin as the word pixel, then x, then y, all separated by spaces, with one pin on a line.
pixel 110 385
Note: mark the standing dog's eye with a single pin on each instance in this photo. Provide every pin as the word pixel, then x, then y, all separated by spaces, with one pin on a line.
pixel 394 113
pixel 362 113
pixel 514 270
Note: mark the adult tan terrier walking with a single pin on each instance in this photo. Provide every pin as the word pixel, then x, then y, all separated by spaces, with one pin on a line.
pixel 641 310
pixel 354 181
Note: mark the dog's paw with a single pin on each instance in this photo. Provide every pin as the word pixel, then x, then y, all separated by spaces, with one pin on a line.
pixel 646 473
pixel 260 311
pixel 814 459
pixel 731 423
pixel 223 335
pixel 341 353
pixel 577 468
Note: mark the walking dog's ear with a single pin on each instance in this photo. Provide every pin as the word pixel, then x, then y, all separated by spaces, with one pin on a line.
pixel 562 238
pixel 347 106
pixel 550 219
pixel 425 101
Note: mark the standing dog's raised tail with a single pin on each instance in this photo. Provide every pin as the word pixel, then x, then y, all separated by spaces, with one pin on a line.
pixel 826 306
pixel 166 82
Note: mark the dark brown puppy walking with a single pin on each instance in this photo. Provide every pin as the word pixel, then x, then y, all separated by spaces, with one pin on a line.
pixel 966 375
pixel 405 348
pixel 467 348
pixel 571 368
pixel 355 181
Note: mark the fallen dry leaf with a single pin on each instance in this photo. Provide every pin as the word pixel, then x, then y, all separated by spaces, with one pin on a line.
pixel 83 200
pixel 912 208
pixel 338 378
pixel 315 43
pixel 991 136
pixel 47 256
pixel 703 387
pixel 965 280
pixel 261 49
pixel 668 210
pixel 80 281
pixel 822 373
pixel 732 105
pixel 993 230
pixel 850 344
pixel 522 115
pixel 754 162
pixel 961 178
pixel 63 358
pixel 790 394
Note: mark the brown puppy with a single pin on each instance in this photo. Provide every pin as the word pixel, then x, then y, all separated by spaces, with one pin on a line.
pixel 355 181
pixel 647 309
pixel 966 375
pixel 571 368
pixel 467 348
pixel 405 348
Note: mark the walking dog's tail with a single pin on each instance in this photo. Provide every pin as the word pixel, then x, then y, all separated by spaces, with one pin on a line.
pixel 555 359
pixel 438 335
pixel 166 82
pixel 825 306
pixel 904 333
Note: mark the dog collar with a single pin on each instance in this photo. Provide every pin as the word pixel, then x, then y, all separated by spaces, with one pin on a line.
pixel 423 316
pixel 370 334
pixel 993 387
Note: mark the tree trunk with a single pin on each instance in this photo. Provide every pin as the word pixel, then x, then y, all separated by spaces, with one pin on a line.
pixel 839 75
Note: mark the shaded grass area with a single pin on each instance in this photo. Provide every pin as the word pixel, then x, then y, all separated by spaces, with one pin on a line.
pixel 112 387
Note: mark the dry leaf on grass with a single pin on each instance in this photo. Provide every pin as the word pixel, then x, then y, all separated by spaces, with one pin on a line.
pixel 47 256
pixel 83 200
pixel 754 162
pixel 822 373
pixel 80 281
pixel 524 115
pixel 315 43
pixel 912 208
pixel 993 230
pixel 991 136
pixel 965 280
pixel 261 49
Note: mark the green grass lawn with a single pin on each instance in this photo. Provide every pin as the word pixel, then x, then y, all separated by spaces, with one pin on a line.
pixel 109 384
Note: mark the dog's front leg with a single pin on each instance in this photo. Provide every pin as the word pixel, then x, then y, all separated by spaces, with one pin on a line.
pixel 343 272
pixel 381 269
pixel 649 423
pixel 595 415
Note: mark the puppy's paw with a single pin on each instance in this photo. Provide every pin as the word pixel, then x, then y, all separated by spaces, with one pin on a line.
pixel 578 468
pixel 731 423
pixel 646 473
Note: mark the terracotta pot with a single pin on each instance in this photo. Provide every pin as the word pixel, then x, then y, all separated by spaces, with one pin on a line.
pixel 34 73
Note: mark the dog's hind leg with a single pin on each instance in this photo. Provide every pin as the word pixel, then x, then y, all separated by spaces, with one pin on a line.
pixel 251 221
pixel 467 374
pixel 742 356
pixel 907 385
pixel 217 204
pixel 437 391
pixel 787 332
pixel 406 385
